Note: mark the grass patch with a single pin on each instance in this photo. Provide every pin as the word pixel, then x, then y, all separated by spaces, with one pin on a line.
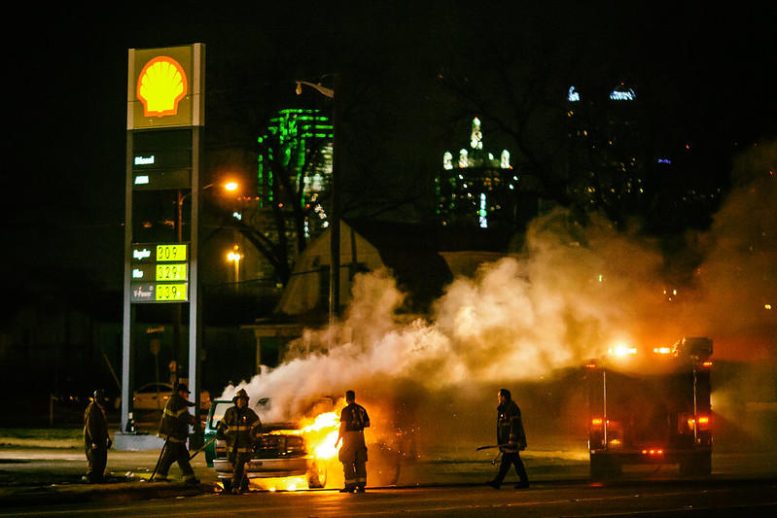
pixel 71 437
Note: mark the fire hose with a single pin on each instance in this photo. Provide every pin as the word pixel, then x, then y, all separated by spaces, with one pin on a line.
pixel 198 450
pixel 156 467
pixel 491 446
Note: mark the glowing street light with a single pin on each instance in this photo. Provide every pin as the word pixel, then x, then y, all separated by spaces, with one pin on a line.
pixel 234 256
pixel 229 185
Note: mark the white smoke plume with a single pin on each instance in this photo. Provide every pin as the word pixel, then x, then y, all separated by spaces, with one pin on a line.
pixel 734 293
pixel 572 293
pixel 520 318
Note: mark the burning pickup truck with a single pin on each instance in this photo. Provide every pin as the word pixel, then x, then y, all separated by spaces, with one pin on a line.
pixel 651 407
pixel 291 455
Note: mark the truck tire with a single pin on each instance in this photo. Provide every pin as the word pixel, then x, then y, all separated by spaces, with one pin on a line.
pixel 317 475
pixel 696 465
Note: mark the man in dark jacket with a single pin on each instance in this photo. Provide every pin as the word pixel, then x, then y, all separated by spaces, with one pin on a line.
pixel 174 429
pixel 241 428
pixel 96 438
pixel 511 439
pixel 353 453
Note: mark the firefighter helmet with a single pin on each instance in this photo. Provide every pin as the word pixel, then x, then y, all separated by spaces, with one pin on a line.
pixel 241 394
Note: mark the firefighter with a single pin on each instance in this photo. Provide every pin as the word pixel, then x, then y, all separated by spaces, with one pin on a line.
pixel 353 453
pixel 511 438
pixel 96 438
pixel 241 428
pixel 174 429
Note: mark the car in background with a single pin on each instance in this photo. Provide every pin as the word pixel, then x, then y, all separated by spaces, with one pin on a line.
pixel 154 396
pixel 280 451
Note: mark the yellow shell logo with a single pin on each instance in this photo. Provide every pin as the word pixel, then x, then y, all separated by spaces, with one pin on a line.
pixel 161 86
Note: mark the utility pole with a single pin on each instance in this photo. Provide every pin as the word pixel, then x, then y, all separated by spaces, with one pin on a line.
pixel 334 217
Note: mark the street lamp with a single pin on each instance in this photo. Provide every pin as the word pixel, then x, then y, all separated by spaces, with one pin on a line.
pixel 229 185
pixel 323 90
pixel 334 235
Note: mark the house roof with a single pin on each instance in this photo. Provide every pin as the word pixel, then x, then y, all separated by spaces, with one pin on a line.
pixel 422 259
pixel 413 253
pixel 410 253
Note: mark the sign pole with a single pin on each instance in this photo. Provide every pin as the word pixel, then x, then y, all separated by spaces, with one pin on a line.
pixel 165 114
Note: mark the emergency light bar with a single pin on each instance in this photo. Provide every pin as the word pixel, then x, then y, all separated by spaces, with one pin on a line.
pixel 653 452
pixel 622 350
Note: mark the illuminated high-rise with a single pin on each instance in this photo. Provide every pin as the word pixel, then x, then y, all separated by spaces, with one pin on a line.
pixel 478 189
pixel 298 144
pixel 607 155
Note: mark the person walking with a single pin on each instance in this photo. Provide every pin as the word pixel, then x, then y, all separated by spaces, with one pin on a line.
pixel 174 429
pixel 241 428
pixel 511 438
pixel 96 438
pixel 353 452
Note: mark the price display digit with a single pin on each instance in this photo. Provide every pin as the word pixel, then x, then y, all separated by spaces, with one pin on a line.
pixel 172 272
pixel 172 292
pixel 169 253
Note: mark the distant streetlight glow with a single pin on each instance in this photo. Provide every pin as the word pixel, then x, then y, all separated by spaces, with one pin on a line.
pixel 234 256
pixel 230 185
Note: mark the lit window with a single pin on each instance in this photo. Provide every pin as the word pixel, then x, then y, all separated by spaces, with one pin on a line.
pixel 622 94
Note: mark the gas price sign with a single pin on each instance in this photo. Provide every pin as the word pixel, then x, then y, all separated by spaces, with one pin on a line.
pixel 172 272
pixel 170 253
pixel 160 273
pixel 172 292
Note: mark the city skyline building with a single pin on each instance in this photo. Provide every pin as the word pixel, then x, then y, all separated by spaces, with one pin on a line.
pixel 477 188
pixel 607 158
pixel 624 161
pixel 303 138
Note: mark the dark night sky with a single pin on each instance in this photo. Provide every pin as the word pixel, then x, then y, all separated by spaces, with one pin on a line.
pixel 711 68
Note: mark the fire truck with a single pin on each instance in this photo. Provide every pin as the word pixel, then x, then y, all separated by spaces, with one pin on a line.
pixel 651 407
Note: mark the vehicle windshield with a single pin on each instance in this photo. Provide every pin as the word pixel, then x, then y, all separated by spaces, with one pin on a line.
pixel 219 409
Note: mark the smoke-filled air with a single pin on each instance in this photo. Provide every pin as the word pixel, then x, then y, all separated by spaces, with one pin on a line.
pixel 569 295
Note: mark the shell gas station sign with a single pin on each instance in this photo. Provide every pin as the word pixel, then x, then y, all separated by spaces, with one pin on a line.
pixel 165 119
pixel 166 87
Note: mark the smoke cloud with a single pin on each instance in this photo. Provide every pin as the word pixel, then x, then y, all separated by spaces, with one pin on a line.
pixel 734 296
pixel 572 293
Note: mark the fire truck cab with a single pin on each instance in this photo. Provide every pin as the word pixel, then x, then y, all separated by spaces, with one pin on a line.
pixel 651 407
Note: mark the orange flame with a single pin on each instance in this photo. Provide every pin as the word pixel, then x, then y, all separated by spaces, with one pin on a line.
pixel 280 483
pixel 321 434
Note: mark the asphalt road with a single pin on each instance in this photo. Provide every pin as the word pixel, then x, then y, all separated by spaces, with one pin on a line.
pixel 45 481
pixel 650 498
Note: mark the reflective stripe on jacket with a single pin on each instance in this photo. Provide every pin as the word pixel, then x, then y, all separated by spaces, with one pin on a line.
pixel 355 418
pixel 240 428
pixel 176 420
pixel 509 425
